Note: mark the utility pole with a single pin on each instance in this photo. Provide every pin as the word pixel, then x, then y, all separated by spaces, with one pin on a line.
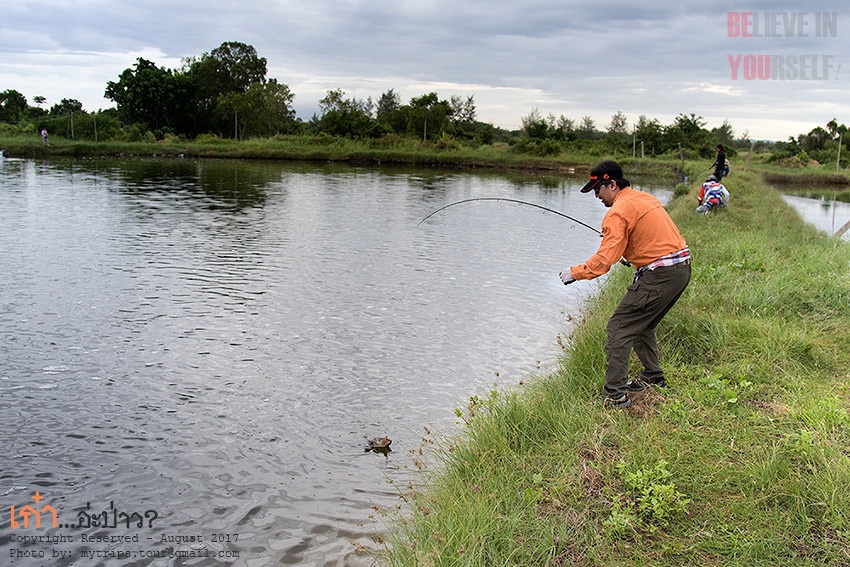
pixel 634 141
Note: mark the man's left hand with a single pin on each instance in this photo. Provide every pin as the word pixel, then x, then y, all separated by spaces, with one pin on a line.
pixel 567 277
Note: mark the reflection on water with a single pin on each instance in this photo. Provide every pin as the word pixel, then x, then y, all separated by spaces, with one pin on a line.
pixel 827 215
pixel 215 342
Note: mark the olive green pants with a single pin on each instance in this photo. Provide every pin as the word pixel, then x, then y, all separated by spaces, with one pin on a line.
pixel 632 326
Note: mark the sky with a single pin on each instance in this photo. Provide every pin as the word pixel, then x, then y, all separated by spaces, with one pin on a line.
pixel 771 69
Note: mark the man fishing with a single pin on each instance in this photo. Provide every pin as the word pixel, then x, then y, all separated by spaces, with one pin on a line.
pixel 637 228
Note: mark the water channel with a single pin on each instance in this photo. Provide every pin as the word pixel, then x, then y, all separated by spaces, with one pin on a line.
pixel 827 215
pixel 194 352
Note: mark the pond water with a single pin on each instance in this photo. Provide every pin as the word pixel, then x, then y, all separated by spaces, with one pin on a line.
pixel 194 353
pixel 828 215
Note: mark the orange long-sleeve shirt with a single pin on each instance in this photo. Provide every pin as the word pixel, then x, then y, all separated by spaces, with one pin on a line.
pixel 637 228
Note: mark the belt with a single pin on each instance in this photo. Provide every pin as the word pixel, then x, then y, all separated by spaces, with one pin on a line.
pixel 663 263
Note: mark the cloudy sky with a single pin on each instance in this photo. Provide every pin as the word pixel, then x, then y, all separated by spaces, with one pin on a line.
pixel 779 69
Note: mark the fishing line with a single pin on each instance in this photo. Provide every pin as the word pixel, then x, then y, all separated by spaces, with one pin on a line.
pixel 597 231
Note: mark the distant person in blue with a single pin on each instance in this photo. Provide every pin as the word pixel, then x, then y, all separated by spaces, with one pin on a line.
pixel 44 136
pixel 720 164
pixel 712 194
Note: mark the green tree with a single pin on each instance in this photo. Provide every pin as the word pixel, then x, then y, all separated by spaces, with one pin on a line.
pixel 462 110
pixel 346 117
pixel 231 67
pixel 839 134
pixel 534 125
pixel 816 139
pixel 617 136
pixel 688 135
pixel 427 116
pixel 689 125
pixel 13 106
pixel 66 106
pixel 273 104
pixel 389 114
pixel 587 128
pixel 725 135
pixel 619 125
pixel 651 133
pixel 564 129
pixel 265 109
pixel 155 97
pixel 463 123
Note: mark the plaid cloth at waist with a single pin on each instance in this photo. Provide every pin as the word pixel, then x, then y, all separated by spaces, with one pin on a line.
pixel 680 257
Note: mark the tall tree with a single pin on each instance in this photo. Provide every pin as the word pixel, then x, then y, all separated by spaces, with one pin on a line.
pixel 13 105
pixel 347 117
pixel 534 125
pixel 688 133
pixel 67 106
pixel 587 128
pixel 427 116
pixel 154 96
pixel 388 113
pixel 230 68
pixel 835 129
pixel 725 134
pixel 388 103
pixel 462 110
pixel 265 109
pixel 650 133
pixel 619 124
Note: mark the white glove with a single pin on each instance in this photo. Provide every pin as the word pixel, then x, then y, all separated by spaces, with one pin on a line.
pixel 567 277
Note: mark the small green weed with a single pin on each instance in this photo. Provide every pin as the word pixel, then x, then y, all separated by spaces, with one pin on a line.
pixel 800 442
pixel 476 406
pixel 651 500
pixel 534 493
pixel 731 392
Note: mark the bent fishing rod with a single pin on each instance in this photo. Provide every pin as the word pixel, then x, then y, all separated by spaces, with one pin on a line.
pixel 559 213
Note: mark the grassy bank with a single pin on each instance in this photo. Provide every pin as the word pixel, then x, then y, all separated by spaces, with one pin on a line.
pixel 390 150
pixel 743 460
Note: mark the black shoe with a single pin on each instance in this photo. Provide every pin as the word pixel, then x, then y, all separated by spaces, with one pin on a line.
pixel 641 385
pixel 619 403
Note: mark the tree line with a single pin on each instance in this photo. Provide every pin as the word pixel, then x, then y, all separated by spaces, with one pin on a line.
pixel 226 93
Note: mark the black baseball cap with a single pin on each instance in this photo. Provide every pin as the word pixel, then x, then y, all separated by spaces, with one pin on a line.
pixel 602 173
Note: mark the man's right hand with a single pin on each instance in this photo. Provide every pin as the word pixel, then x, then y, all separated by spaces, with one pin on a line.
pixel 567 277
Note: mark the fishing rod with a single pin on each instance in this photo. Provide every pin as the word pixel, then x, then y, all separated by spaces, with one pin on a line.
pixel 559 213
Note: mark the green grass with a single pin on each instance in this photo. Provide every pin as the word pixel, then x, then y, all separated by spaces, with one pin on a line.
pixel 743 460
pixel 394 150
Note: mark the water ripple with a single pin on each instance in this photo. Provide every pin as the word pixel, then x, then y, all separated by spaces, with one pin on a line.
pixel 219 352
